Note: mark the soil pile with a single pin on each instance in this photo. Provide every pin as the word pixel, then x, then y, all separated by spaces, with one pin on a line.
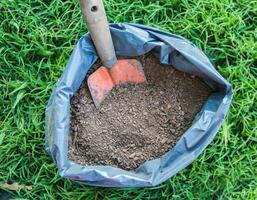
pixel 135 123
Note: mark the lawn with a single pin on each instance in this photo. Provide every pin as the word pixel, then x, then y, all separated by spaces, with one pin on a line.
pixel 36 40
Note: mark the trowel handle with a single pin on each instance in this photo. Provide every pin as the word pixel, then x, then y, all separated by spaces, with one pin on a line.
pixel 95 17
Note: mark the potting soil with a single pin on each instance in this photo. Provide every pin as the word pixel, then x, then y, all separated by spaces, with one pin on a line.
pixel 135 123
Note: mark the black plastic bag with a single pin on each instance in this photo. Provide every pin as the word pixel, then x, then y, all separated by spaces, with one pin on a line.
pixel 136 40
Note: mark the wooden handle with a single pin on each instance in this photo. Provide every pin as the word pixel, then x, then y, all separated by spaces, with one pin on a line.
pixel 95 17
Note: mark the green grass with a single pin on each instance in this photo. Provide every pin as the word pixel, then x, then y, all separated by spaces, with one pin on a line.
pixel 36 39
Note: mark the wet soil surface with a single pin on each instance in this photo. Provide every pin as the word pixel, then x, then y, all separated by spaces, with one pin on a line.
pixel 135 123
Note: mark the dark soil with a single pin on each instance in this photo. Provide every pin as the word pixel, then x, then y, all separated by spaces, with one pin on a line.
pixel 135 123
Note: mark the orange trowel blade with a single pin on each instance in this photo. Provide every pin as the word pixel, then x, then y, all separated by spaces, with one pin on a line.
pixel 103 80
